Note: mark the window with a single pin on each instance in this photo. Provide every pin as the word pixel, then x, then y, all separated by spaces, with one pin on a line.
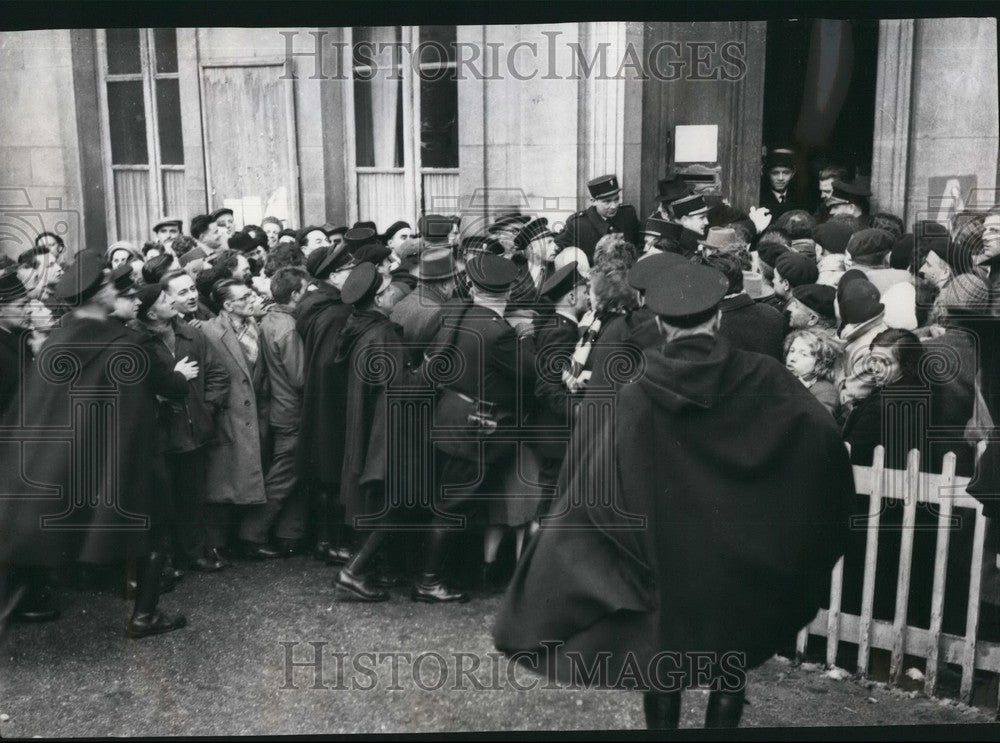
pixel 141 122
pixel 402 119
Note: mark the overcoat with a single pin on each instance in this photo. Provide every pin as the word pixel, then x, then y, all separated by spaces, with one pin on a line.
pixel 584 229
pixel 319 318
pixel 723 521
pixel 81 458
pixel 235 472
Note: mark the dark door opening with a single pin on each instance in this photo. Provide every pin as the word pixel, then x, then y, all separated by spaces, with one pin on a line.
pixel 819 97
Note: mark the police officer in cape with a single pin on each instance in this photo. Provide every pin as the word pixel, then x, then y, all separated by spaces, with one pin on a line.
pixel 606 214
pixel 723 522
pixel 479 361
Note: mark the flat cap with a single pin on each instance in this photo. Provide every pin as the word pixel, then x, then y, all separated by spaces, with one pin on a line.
pixel 817 297
pixel 536 228
pixel 562 281
pixel 603 186
pixel 491 272
pixel 686 289
pixel 798 269
pixel 219 212
pixel 870 241
pixel 166 222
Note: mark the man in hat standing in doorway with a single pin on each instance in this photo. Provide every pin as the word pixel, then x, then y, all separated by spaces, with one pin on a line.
pixel 777 193
pixel 713 548
pixel 606 214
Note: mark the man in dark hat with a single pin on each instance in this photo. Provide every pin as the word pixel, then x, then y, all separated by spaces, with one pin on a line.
pixel 849 199
pixel 777 194
pixel 312 238
pixel 606 214
pixel 167 230
pixel 319 318
pixel 747 325
pixel 336 235
pixel 669 190
pixel 496 361
pixel 811 306
pixel 556 336
pixel 419 313
pixel 690 213
pixel 368 334
pixel 113 511
pixel 868 250
pixel 625 577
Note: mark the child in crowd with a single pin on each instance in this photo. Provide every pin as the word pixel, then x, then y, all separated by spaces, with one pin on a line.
pixel 812 356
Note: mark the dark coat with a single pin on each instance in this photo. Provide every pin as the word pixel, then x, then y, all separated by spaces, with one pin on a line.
pixel 792 202
pixel 319 319
pixel 368 357
pixel 419 315
pixel 189 424
pixel 555 339
pixel 491 365
pixel 584 229
pixel 235 471
pixel 617 355
pixel 752 326
pixel 93 474
pixel 15 357
pixel 742 530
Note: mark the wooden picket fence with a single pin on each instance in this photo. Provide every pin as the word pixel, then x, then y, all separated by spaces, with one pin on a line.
pixel 911 487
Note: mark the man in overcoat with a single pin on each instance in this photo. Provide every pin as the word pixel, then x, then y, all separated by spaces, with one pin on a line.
pixel 606 214
pixel 723 522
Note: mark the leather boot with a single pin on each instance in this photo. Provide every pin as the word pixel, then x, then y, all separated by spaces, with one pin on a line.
pixel 662 709
pixel 351 579
pixel 725 708
pixel 430 586
pixel 146 620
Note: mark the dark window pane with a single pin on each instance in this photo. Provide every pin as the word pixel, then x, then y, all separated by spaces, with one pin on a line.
pixel 369 46
pixel 165 40
pixel 437 44
pixel 374 102
pixel 168 114
pixel 439 122
pixel 127 121
pixel 123 51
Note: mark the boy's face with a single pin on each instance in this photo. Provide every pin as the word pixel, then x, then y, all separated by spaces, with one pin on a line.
pixel 780 177
pixel 800 361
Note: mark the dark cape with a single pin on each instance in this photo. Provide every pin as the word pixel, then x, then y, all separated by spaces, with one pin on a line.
pixel 319 318
pixel 80 464
pixel 746 507
pixel 368 356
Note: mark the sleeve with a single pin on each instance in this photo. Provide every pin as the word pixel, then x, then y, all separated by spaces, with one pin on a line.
pixel 216 377
pixel 568 236
pixel 554 352
pixel 163 380
pixel 292 354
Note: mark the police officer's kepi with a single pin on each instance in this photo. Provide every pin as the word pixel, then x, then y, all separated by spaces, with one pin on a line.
pixel 82 279
pixel 603 186
pixel 123 282
pixel 536 228
pixel 662 228
pixel 562 281
pixel 362 285
pixel 686 289
pixel 491 272
pixel 646 272
pixel 358 237
pixel 689 206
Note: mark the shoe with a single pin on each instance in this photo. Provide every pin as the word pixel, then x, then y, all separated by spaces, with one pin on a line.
pixel 206 565
pixel 432 590
pixel 338 555
pixel 218 556
pixel 256 551
pixel 144 625
pixel 357 587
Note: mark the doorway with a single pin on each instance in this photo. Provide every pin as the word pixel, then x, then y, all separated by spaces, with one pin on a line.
pixel 819 96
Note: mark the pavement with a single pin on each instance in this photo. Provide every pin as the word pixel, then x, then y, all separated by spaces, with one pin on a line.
pixel 229 672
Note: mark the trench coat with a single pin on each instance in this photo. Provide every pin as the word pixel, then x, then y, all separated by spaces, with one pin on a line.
pixel 235 464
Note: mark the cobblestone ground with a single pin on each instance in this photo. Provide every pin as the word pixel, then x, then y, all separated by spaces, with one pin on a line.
pixel 227 672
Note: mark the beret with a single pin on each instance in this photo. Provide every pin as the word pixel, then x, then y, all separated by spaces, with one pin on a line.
pixel 491 272
pixel 769 252
pixel 242 241
pixel 686 289
pixel 859 302
pixel 870 241
pixel 817 297
pixel 394 228
pixel 833 235
pixel 796 268
pixel 199 223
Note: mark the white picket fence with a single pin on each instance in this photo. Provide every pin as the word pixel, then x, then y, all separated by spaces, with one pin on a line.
pixel 911 486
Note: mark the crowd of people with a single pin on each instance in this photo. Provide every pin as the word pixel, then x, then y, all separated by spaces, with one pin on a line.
pixel 268 415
